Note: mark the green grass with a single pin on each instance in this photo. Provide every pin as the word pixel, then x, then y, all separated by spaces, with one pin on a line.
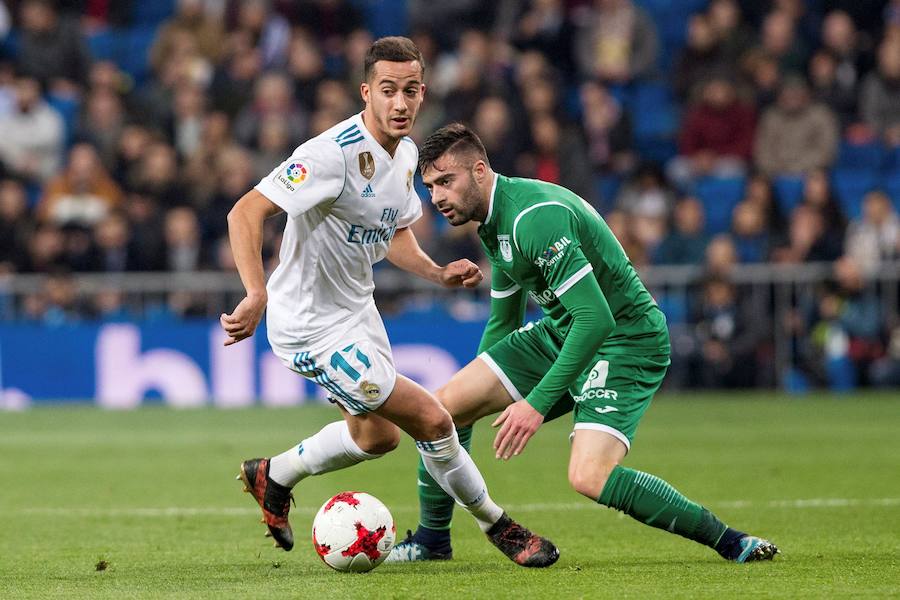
pixel 82 485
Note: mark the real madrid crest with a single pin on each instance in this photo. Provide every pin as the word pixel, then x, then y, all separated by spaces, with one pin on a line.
pixel 505 247
pixel 366 165
pixel 371 390
pixel 409 177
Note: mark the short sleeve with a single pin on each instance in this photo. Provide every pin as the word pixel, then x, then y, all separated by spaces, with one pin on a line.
pixel 412 209
pixel 313 174
pixel 548 237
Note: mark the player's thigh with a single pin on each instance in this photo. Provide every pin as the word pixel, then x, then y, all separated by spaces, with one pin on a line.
pixel 521 359
pixel 614 394
pixel 416 411
pixel 472 393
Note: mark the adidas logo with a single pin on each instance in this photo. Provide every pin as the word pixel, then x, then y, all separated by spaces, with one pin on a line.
pixel 368 192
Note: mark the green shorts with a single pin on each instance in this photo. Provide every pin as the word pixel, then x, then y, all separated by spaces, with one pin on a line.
pixel 610 396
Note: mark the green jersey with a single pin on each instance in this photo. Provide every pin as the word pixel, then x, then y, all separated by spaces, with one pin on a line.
pixel 545 241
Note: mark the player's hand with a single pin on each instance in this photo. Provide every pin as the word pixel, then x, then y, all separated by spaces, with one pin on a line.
pixel 461 272
pixel 241 323
pixel 517 424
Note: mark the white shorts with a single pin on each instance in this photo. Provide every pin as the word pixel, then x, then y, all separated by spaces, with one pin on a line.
pixel 357 371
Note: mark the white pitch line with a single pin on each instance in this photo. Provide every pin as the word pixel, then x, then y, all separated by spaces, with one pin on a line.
pixel 185 511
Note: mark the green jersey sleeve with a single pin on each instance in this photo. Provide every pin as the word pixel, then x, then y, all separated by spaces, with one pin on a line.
pixel 549 238
pixel 507 309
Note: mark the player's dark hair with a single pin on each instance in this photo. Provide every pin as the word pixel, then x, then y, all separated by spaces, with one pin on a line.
pixel 455 138
pixel 392 49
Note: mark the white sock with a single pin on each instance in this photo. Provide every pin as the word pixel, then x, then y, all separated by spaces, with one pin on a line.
pixel 331 449
pixel 455 471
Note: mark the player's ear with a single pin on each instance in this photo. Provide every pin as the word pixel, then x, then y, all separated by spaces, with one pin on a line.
pixel 479 170
pixel 364 91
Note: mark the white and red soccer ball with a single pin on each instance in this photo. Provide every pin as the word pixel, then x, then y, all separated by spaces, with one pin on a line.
pixel 353 532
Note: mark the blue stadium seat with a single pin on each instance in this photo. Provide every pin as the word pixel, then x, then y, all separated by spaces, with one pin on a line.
pixel 892 159
pixel 385 17
pixel 152 13
pixel 134 50
pixel 674 306
pixel 68 110
pixel 653 110
pixel 891 185
pixel 719 197
pixel 851 186
pixel 102 44
pixel 607 189
pixel 860 156
pixel 788 193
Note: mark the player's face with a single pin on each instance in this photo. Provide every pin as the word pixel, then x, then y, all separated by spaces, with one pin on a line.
pixel 393 97
pixel 454 191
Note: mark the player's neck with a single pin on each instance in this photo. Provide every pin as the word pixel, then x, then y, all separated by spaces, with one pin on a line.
pixel 384 140
pixel 487 191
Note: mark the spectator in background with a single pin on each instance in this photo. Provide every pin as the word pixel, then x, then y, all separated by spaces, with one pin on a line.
pixel 796 135
pixel 183 247
pixel 113 252
pixel 544 26
pixel 187 119
pixel 130 148
pixel 828 89
pixel 647 192
pixel 234 79
pixel 234 176
pixel 779 40
pixel 272 146
pixel 273 98
pixel 721 256
pixel 494 123
pixel 734 35
pixel 818 195
pixel 701 59
pixel 616 42
pixel 83 194
pixel 62 304
pixel 610 143
pixel 270 31
pixel 52 49
pixel 875 237
pixel 879 100
pixel 16 224
pixel 189 26
pixel 306 68
pixel 728 327
pixel 686 242
pixel 101 123
pixel 764 75
pixel 552 160
pixel 31 141
pixel 156 175
pixel 46 250
pixel 717 136
pixel 749 233
pixel 215 138
pixel 806 240
pixel 145 224
pixel 758 190
pixel 841 40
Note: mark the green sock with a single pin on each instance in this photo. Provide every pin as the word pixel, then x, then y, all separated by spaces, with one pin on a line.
pixel 435 505
pixel 654 502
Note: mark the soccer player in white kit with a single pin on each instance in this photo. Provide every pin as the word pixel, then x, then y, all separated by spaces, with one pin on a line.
pixel 349 198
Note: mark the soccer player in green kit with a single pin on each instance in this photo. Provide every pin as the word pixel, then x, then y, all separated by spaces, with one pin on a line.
pixel 601 349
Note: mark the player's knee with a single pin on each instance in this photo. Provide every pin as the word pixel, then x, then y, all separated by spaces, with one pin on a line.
pixel 449 399
pixel 436 424
pixel 588 479
pixel 386 441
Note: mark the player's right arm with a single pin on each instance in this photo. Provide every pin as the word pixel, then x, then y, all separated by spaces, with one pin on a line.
pixel 313 175
pixel 245 232
pixel 507 309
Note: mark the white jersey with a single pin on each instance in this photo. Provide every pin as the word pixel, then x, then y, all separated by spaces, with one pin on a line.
pixel 345 197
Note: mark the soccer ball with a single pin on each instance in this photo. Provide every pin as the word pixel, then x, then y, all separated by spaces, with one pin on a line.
pixel 353 532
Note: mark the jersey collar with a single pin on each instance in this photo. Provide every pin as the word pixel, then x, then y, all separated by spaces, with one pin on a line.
pixel 493 193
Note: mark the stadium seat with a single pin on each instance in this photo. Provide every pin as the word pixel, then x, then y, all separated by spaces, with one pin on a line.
pixel 152 13
pixel 134 49
pixel 719 197
pixel 851 186
pixel 102 44
pixel 860 156
pixel 607 189
pixel 892 159
pixel 788 193
pixel 68 110
pixel 891 185
pixel 653 110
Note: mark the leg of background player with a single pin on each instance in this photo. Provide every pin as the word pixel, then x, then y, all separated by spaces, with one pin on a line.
pixel 594 471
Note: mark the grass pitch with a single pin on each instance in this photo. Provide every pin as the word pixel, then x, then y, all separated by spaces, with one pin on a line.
pixel 144 505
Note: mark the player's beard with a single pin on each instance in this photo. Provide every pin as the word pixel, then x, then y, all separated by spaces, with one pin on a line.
pixel 469 202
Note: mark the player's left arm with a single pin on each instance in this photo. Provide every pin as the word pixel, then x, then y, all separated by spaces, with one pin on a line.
pixel 571 279
pixel 405 253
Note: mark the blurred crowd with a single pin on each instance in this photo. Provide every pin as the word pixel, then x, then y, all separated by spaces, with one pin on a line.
pixel 707 132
